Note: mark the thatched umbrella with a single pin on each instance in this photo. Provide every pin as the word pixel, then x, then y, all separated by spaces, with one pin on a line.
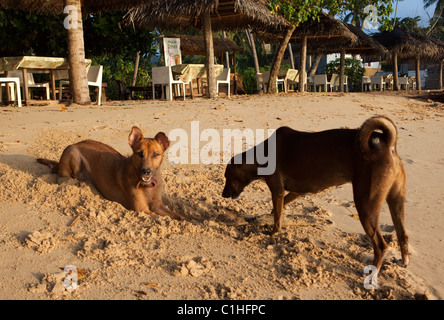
pixel 195 45
pixel 364 46
pixel 57 6
pixel 207 15
pixel 76 49
pixel 319 35
pixel 439 58
pixel 404 45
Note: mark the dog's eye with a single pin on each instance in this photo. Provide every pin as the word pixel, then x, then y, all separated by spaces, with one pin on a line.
pixel 155 154
pixel 140 154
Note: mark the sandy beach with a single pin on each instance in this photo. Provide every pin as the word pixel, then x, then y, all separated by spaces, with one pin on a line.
pixel 222 250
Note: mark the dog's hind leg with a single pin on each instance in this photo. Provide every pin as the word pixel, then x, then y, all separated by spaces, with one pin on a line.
pixel 291 196
pixel 395 201
pixel 368 210
pixel 70 164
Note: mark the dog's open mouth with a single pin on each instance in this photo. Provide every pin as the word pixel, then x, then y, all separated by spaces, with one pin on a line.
pixel 147 182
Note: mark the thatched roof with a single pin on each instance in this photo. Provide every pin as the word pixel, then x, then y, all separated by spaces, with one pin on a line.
pixel 366 45
pixel 183 14
pixel 195 45
pixel 409 46
pixel 323 33
pixel 56 6
pixel 440 45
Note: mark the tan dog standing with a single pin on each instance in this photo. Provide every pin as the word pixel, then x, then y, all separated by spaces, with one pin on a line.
pixel 311 162
pixel 135 182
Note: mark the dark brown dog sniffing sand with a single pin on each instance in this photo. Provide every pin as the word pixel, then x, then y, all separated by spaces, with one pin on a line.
pixel 135 182
pixel 311 162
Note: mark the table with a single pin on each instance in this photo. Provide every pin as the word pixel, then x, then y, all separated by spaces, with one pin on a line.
pixel 25 63
pixel 188 72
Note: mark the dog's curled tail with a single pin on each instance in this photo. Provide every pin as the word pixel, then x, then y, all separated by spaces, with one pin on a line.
pixel 50 163
pixel 376 136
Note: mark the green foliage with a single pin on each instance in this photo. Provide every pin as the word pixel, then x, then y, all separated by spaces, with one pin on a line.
pixel 104 35
pixel 298 11
pixel 353 69
pixel 439 9
pixel 248 75
pixel 409 23
pixel 106 43
pixel 26 33
pixel 119 67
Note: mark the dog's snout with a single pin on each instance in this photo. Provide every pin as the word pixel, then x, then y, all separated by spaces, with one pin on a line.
pixel 145 171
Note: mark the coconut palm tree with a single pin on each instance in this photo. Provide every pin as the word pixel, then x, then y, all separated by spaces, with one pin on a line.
pixel 439 6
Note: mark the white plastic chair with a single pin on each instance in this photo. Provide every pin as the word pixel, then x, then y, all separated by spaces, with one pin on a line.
pixel 413 81
pixel 403 81
pixel 388 81
pixel 321 80
pixel 224 78
pixel 377 81
pixel 309 83
pixel 164 77
pixel 94 80
pixel 293 81
pixel 334 82
pixel 366 83
pixel 262 81
pixel 31 82
pixel 9 82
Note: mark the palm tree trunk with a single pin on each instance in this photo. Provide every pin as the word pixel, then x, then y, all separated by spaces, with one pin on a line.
pixel 418 74
pixel 136 68
pixel 315 65
pixel 290 54
pixel 209 56
pixel 227 57
pixel 303 59
pixel 253 49
pixel 440 74
pixel 278 59
pixel 76 56
pixel 395 71
pixel 341 72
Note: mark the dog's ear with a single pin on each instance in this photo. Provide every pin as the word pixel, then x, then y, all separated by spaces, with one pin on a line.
pixel 135 136
pixel 163 140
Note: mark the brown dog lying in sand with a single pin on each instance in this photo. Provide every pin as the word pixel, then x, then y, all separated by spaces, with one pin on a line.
pixel 135 182
pixel 311 162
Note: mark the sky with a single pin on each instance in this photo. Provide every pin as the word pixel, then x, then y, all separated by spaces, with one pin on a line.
pixel 413 8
